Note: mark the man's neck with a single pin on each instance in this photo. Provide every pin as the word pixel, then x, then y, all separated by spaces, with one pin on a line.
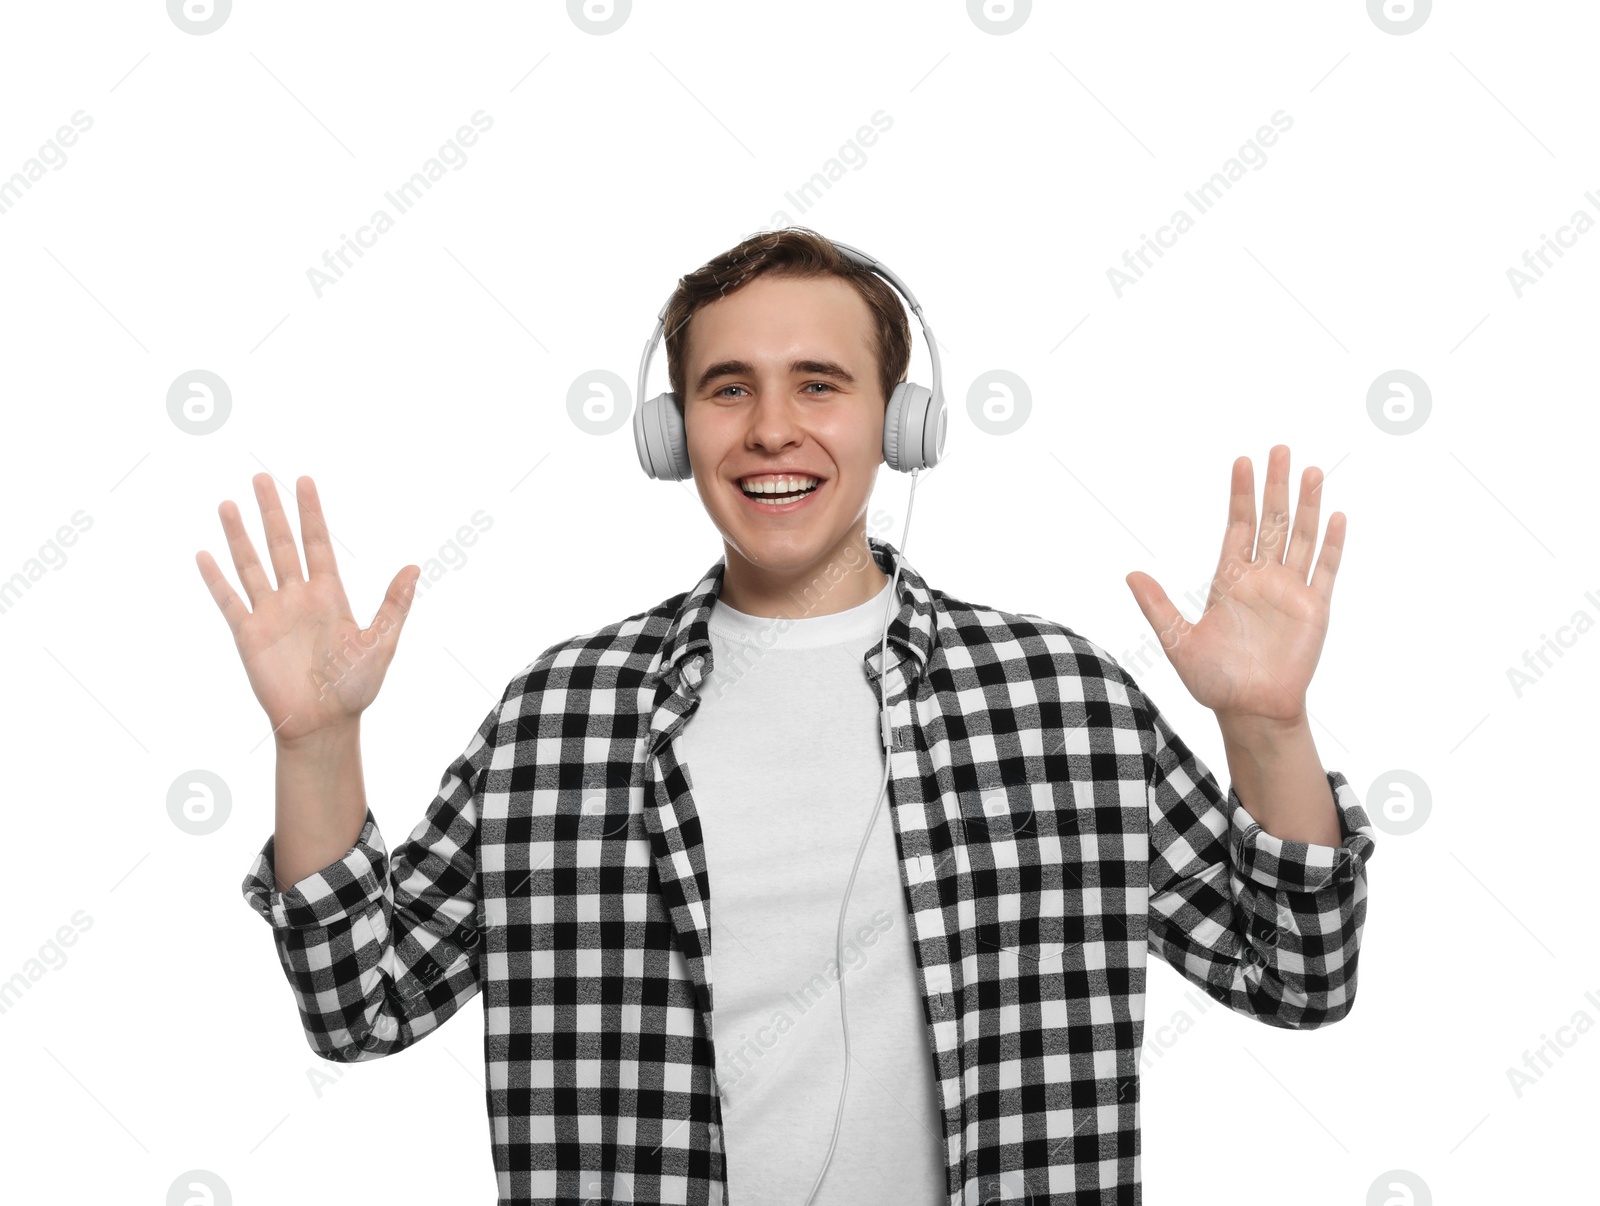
pixel 846 578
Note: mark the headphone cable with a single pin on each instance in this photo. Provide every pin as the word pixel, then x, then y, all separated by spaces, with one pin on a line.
pixel 883 679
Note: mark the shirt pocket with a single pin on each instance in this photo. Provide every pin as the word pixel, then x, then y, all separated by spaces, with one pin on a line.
pixel 1024 849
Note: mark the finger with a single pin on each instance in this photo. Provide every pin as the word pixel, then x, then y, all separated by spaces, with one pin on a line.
pixel 1239 537
pixel 396 605
pixel 1167 620
pixel 1332 553
pixel 1273 535
pixel 280 539
pixel 254 579
pixel 231 605
pixel 314 531
pixel 1306 514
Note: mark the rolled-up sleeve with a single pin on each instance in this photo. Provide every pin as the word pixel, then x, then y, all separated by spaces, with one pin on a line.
pixel 380 951
pixel 1267 926
pixel 334 894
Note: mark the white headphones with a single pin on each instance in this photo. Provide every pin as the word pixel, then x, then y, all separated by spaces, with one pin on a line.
pixel 913 440
pixel 913 423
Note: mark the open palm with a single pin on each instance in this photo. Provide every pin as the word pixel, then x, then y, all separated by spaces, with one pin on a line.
pixel 313 668
pixel 1251 654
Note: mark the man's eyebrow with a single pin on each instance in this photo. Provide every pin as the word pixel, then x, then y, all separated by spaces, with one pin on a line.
pixel 743 368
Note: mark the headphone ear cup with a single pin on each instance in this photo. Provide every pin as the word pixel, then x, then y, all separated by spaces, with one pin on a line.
pixel 676 439
pixel 913 428
pixel 661 440
pixel 892 424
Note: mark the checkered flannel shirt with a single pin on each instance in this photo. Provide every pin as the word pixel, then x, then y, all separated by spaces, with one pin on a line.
pixel 1050 830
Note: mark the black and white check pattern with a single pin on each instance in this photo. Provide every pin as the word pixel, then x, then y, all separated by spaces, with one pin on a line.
pixel 1051 829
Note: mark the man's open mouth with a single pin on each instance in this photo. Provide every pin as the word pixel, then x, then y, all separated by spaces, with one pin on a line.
pixel 772 493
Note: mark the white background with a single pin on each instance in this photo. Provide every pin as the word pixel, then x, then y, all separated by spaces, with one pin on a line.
pixel 432 382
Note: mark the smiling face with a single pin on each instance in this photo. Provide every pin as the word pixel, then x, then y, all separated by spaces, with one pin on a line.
pixel 781 383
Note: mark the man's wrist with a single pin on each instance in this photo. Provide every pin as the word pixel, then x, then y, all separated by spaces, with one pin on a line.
pixel 1263 735
pixel 331 742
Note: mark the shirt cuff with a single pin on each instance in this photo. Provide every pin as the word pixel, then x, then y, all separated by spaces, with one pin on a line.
pixel 1286 865
pixel 340 890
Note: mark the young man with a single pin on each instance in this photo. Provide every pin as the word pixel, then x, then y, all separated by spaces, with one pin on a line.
pixel 639 857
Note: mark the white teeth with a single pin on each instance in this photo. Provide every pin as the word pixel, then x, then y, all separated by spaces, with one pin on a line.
pixel 774 502
pixel 780 485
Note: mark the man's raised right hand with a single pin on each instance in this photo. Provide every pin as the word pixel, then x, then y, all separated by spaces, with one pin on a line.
pixel 314 670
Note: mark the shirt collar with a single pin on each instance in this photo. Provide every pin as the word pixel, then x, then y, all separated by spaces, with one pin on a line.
pixel 912 628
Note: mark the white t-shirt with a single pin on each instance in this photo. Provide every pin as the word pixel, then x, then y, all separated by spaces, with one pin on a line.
pixel 784 760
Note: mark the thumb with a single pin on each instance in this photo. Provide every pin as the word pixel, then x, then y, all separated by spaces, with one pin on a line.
pixel 391 615
pixel 1166 619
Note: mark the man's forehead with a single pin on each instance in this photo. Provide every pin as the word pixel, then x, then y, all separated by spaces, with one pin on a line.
pixel 821 334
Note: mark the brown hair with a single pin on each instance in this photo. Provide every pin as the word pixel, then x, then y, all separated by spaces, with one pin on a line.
pixel 792 251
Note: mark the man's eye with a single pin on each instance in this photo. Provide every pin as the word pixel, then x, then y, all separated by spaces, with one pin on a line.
pixel 824 384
